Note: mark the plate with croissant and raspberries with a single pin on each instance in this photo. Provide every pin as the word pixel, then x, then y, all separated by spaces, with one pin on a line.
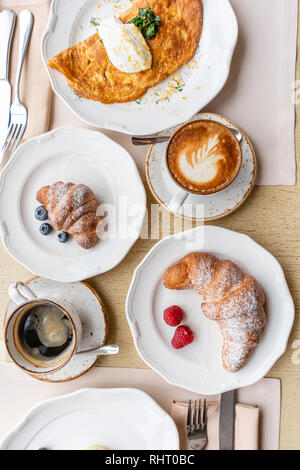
pixel 210 310
pixel 72 204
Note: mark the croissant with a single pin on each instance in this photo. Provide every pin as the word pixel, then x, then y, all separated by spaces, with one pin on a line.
pixel 72 208
pixel 230 297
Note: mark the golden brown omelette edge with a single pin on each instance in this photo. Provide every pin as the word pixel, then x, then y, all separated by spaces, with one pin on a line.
pixel 91 75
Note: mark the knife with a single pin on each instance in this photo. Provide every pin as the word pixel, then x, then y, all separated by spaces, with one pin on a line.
pixel 227 420
pixel 7 23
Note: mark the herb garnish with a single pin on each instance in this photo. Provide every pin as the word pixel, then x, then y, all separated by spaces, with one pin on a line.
pixel 147 22
pixel 95 22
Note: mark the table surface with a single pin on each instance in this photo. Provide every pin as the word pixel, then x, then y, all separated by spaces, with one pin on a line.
pixel 271 216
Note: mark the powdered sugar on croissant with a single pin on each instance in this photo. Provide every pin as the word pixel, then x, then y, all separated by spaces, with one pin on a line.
pixel 73 209
pixel 230 297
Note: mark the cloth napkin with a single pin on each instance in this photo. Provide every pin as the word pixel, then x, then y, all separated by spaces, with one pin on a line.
pixel 246 425
pixel 35 88
pixel 259 94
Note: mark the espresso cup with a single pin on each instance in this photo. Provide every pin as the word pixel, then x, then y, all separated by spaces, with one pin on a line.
pixel 205 149
pixel 27 300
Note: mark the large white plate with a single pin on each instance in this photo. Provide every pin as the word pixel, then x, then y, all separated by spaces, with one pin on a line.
pixel 198 367
pixel 118 419
pixel 163 106
pixel 79 156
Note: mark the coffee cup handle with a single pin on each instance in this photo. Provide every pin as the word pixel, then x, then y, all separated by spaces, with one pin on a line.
pixel 177 201
pixel 20 293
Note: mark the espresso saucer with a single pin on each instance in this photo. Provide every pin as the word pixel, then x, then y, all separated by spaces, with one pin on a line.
pixel 198 207
pixel 91 310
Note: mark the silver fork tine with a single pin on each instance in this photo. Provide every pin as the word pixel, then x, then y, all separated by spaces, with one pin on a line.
pixel 204 415
pixel 6 138
pixel 189 414
pixel 192 416
pixel 14 128
pixel 195 414
pixel 18 128
pixel 21 133
pixel 199 414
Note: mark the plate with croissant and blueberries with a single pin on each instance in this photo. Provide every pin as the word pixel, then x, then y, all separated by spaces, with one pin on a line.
pixel 210 310
pixel 65 196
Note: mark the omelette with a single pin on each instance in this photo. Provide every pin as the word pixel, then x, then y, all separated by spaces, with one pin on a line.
pixel 91 75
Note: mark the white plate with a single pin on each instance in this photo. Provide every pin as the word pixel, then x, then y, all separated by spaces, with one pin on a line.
pixel 118 419
pixel 198 367
pixel 80 156
pixel 201 80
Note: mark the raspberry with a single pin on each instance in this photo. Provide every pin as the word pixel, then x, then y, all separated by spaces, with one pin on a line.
pixel 173 315
pixel 183 336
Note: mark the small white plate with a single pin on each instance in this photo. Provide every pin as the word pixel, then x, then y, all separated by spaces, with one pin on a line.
pixel 198 367
pixel 212 206
pixel 118 419
pixel 89 307
pixel 168 104
pixel 79 156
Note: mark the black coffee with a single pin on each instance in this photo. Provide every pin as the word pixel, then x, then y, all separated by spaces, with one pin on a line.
pixel 45 332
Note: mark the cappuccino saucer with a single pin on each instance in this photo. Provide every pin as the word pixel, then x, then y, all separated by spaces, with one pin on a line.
pixel 202 207
pixel 92 314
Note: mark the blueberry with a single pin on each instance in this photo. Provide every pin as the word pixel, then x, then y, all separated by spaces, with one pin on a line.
pixel 41 213
pixel 45 229
pixel 63 237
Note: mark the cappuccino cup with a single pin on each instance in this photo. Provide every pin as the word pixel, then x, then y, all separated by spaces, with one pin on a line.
pixel 202 157
pixel 41 335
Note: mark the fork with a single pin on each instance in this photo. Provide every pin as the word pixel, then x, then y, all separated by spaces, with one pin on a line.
pixel 196 427
pixel 18 111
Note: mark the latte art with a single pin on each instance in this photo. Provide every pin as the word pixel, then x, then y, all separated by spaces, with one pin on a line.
pixel 204 157
pixel 201 166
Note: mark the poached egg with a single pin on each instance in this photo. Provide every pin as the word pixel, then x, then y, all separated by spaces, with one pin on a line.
pixel 125 45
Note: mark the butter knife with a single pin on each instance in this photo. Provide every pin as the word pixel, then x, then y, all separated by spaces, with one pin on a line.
pixel 7 23
pixel 227 420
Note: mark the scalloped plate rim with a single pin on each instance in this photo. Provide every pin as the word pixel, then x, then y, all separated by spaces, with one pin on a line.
pixel 77 393
pixel 120 128
pixel 28 265
pixel 165 374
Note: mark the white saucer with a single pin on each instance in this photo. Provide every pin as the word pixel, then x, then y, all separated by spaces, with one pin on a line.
pixel 198 367
pixel 93 317
pixel 117 419
pixel 80 156
pixel 209 207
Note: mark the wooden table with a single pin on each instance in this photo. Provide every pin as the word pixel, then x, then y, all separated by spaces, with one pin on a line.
pixel 271 216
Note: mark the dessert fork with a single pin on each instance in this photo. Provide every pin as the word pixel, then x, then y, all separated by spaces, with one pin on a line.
pixel 196 427
pixel 18 111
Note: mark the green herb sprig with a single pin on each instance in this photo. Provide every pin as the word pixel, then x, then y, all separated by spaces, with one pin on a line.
pixel 95 22
pixel 147 22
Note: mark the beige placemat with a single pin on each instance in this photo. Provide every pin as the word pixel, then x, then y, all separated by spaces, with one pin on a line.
pixel 20 392
pixel 35 88
pixel 259 94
